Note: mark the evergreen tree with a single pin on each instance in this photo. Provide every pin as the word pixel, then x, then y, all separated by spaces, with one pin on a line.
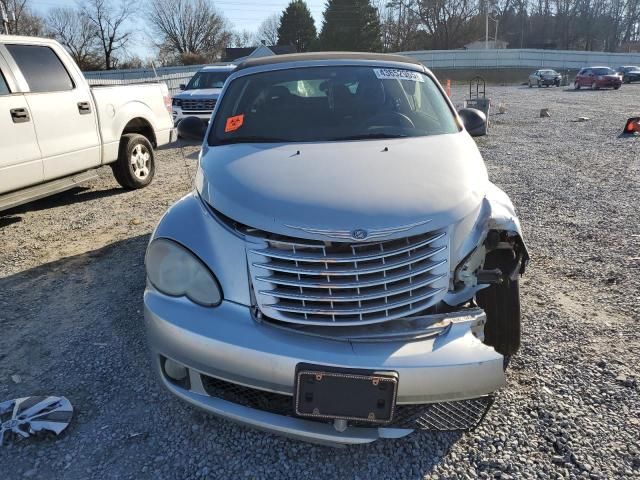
pixel 296 26
pixel 351 25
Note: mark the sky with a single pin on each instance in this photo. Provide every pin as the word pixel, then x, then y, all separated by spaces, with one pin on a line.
pixel 241 14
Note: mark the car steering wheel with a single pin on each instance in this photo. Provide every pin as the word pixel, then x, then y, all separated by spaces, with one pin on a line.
pixel 390 118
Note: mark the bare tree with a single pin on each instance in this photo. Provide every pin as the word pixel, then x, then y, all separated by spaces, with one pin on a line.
pixel 268 30
pixel 77 33
pixel 22 21
pixel 243 39
pixel 109 19
pixel 189 27
pixel 444 20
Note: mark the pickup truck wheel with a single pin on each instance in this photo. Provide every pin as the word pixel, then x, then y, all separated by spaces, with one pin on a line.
pixel 501 303
pixel 135 166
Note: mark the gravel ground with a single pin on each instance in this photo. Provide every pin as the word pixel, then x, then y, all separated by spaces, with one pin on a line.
pixel 71 282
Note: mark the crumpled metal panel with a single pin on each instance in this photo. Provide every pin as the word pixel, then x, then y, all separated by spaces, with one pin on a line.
pixel 28 416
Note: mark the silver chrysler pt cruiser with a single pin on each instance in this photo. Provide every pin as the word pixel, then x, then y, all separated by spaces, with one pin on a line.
pixel 344 270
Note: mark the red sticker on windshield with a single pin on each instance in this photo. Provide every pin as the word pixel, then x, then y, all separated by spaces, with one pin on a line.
pixel 234 123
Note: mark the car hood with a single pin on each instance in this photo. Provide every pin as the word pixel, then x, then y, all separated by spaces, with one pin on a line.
pixel 298 189
pixel 199 93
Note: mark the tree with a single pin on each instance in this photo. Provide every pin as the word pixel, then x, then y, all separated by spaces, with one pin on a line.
pixel 22 21
pixel 109 19
pixel 351 25
pixel 243 39
pixel 268 30
pixel 73 29
pixel 296 26
pixel 189 27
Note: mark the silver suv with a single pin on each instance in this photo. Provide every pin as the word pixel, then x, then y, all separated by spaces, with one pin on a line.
pixel 344 270
pixel 198 97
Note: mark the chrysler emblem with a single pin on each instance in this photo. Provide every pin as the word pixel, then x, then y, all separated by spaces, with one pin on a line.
pixel 359 234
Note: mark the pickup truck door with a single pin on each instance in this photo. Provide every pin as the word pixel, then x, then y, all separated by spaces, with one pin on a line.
pixel 20 161
pixel 62 109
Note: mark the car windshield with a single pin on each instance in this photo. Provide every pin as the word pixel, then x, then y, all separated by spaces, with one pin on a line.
pixel 317 104
pixel 632 69
pixel 548 72
pixel 602 71
pixel 207 80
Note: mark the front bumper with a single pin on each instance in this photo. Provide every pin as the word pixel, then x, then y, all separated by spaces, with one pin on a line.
pixel 179 115
pixel 609 83
pixel 227 343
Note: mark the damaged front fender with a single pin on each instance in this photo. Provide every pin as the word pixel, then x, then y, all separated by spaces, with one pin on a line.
pixel 502 217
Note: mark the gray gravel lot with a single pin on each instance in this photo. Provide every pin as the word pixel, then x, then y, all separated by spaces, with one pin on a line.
pixel 71 282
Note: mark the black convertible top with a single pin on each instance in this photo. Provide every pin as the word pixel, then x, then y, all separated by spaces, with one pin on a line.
pixel 319 56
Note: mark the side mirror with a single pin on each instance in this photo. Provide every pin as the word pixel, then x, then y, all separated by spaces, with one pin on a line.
pixel 475 121
pixel 192 128
pixel 182 86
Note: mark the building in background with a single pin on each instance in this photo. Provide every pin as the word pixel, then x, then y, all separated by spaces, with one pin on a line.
pixel 236 55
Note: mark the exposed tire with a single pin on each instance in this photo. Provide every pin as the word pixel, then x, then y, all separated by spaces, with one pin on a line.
pixel 530 84
pixel 135 166
pixel 501 304
pixel 576 86
pixel 616 87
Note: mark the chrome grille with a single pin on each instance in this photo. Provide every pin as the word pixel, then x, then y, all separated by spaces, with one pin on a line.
pixel 343 283
pixel 198 105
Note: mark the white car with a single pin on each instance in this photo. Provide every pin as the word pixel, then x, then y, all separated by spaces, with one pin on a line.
pixel 198 97
pixel 55 129
pixel 345 270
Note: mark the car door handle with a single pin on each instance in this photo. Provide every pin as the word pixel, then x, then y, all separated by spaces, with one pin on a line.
pixel 19 115
pixel 84 108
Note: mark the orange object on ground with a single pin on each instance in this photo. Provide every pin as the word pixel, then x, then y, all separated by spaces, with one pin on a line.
pixel 234 123
pixel 633 125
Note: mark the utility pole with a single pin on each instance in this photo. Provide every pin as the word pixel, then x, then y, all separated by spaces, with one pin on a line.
pixel 486 30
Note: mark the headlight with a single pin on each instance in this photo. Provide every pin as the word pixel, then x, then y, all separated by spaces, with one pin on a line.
pixel 175 271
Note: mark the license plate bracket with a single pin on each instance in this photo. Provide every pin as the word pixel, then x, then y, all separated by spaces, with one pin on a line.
pixel 349 394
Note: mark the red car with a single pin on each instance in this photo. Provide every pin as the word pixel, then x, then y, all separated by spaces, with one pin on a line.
pixel 597 77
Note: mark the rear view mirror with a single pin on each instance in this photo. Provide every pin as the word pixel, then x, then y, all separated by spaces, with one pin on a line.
pixel 192 128
pixel 410 87
pixel 475 121
pixel 182 86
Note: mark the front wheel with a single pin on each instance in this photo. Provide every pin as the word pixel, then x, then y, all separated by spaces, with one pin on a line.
pixel 501 303
pixel 135 166
pixel 616 87
pixel 576 86
pixel 530 84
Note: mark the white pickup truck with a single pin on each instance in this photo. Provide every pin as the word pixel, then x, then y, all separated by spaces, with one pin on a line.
pixel 55 129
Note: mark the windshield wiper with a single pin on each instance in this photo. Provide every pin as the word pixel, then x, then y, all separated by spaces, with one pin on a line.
pixel 367 136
